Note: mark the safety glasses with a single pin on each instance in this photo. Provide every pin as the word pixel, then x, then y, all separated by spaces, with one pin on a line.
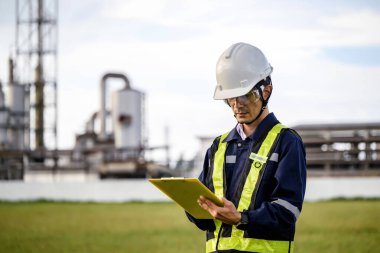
pixel 251 97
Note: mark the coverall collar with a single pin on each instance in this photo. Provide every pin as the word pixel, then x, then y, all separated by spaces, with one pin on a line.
pixel 268 122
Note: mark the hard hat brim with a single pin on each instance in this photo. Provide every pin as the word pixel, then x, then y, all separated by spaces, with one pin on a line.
pixel 231 93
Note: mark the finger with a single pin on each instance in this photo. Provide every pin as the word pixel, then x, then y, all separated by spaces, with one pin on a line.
pixel 206 205
pixel 202 204
pixel 210 207
pixel 226 202
pixel 229 205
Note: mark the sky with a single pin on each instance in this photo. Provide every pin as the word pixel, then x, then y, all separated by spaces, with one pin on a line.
pixel 325 54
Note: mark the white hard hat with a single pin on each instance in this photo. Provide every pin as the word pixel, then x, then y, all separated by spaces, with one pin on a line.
pixel 239 69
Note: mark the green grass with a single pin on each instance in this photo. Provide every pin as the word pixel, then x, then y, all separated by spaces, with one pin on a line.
pixel 335 226
pixel 339 226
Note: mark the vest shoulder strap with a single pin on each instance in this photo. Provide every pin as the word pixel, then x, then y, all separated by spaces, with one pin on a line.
pixel 295 133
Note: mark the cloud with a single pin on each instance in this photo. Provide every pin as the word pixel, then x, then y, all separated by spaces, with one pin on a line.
pixel 356 28
pixel 164 12
pixel 321 90
pixel 144 9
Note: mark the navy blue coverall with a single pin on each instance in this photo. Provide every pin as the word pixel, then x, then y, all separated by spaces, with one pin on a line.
pixel 284 179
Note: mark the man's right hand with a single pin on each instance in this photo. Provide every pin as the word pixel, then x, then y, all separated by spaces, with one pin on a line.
pixel 227 214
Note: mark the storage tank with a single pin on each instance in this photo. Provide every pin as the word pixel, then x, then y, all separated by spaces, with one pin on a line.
pixel 127 118
pixel 17 115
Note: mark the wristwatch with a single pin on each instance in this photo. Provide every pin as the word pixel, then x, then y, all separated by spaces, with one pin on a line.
pixel 244 221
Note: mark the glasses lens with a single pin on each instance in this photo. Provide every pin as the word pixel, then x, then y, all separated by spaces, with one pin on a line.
pixel 252 96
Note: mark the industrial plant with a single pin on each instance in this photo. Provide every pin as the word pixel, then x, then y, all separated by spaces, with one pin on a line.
pixel 28 112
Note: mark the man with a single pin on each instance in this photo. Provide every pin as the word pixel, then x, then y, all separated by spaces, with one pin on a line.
pixel 258 168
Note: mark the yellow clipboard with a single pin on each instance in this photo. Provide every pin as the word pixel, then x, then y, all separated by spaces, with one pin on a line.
pixel 185 192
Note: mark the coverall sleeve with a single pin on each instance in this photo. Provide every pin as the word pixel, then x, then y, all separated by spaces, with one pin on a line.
pixel 281 211
pixel 203 224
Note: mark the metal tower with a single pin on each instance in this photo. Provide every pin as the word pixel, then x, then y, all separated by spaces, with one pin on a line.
pixel 36 69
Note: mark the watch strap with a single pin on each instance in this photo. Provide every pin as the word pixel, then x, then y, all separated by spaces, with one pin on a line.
pixel 244 221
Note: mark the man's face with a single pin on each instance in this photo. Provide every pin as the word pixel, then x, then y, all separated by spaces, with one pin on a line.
pixel 246 107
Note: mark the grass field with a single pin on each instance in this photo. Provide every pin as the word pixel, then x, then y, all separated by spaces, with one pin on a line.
pixel 333 226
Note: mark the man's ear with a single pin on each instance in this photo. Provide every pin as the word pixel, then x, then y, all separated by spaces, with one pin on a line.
pixel 267 91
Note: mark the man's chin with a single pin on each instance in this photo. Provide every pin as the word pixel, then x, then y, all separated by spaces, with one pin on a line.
pixel 243 121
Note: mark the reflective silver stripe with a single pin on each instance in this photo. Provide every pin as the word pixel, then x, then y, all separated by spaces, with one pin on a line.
pixel 293 209
pixel 274 157
pixel 254 156
pixel 231 159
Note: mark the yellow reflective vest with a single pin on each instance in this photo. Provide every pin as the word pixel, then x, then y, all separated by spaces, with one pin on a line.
pixel 237 241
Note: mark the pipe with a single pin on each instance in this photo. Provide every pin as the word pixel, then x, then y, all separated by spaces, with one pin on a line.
pixel 103 91
pixel 40 82
pixel 40 104
pixel 2 97
pixel 11 73
pixel 90 124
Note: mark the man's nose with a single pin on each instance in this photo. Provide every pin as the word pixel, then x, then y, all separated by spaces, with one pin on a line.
pixel 240 100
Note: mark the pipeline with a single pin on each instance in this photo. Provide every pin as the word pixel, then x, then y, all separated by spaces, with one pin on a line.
pixel 103 91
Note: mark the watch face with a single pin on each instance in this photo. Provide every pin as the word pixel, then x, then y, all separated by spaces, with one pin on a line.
pixel 244 218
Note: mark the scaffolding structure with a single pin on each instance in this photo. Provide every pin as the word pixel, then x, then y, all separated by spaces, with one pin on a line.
pixel 28 115
pixel 35 67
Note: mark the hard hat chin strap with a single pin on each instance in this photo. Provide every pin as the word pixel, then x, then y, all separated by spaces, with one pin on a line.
pixel 258 116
